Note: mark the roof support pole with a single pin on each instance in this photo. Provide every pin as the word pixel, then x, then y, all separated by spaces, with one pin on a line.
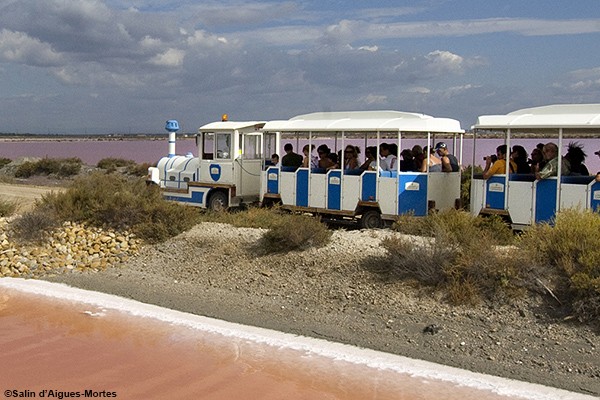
pixel 507 168
pixel 559 170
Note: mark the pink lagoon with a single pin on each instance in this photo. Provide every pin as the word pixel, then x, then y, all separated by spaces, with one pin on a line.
pixel 61 342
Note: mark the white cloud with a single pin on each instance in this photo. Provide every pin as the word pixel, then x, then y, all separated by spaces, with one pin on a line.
pixel 418 89
pixel 369 48
pixel 18 47
pixel 203 38
pixel 169 58
pixel 440 61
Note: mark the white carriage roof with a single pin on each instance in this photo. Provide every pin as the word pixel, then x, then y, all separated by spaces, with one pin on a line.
pixel 569 116
pixel 361 121
pixel 231 125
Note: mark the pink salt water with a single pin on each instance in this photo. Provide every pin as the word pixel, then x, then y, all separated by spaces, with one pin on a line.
pixel 62 342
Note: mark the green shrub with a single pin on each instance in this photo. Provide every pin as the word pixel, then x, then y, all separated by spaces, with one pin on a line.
pixel 129 167
pixel 4 161
pixel 25 170
pixel 118 202
pixel 112 163
pixel 465 185
pixel 459 224
pixel 7 207
pixel 34 225
pixel 567 256
pixel 251 217
pixel 462 258
pixel 62 167
pixel 295 232
pixel 138 169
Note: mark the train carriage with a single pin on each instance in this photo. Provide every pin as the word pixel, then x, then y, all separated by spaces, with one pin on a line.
pixel 368 196
pixel 520 198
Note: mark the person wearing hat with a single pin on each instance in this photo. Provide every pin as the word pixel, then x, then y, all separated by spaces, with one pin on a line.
pixel 449 161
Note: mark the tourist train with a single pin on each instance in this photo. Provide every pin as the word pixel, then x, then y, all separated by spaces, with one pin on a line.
pixel 521 199
pixel 233 166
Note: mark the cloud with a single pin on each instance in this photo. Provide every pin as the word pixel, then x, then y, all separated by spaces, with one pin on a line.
pixel 169 58
pixel 374 99
pixel 18 47
pixel 581 82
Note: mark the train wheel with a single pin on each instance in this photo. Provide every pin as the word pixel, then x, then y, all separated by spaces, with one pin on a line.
pixel 371 219
pixel 218 201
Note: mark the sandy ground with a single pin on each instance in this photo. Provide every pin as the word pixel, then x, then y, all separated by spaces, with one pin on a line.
pixel 345 293
pixel 24 195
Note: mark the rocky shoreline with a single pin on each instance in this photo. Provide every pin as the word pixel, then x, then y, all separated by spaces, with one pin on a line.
pixel 71 247
pixel 344 292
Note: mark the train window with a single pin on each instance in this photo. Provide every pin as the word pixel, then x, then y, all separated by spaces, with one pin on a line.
pixel 252 147
pixel 223 146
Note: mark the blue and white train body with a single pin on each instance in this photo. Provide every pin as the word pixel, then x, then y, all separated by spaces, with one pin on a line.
pixel 520 198
pixel 226 172
pixel 367 196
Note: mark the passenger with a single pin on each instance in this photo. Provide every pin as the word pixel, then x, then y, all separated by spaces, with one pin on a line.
pixel 576 156
pixel 291 159
pixel 351 157
pixel 314 160
pixel 388 160
pixel 435 164
pixel 551 157
pixel 498 166
pixel 370 163
pixel 519 157
pixel 537 160
pixel 419 156
pixel 324 161
pixel 407 163
pixel 449 162
pixel 275 160
pixel 335 157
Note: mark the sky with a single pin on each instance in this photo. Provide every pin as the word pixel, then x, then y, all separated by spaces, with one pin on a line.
pixel 113 66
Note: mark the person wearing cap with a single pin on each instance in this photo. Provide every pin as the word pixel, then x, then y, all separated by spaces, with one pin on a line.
pixel 449 161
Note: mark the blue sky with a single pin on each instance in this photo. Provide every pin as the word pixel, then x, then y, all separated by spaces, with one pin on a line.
pixel 111 66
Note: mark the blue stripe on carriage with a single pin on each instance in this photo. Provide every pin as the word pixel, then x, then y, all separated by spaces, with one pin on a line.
pixel 369 186
pixel 302 187
pixel 273 180
pixel 595 197
pixel 334 190
pixel 412 194
pixel 545 200
pixel 495 191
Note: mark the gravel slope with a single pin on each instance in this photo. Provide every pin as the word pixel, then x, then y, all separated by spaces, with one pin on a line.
pixel 344 292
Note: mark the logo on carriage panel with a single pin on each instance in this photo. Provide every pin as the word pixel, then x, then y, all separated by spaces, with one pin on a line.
pixel 496 187
pixel 414 186
pixel 273 176
pixel 215 172
pixel 334 180
pixel 596 195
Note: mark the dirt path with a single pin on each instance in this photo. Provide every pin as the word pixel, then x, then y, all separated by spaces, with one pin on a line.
pixel 24 195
